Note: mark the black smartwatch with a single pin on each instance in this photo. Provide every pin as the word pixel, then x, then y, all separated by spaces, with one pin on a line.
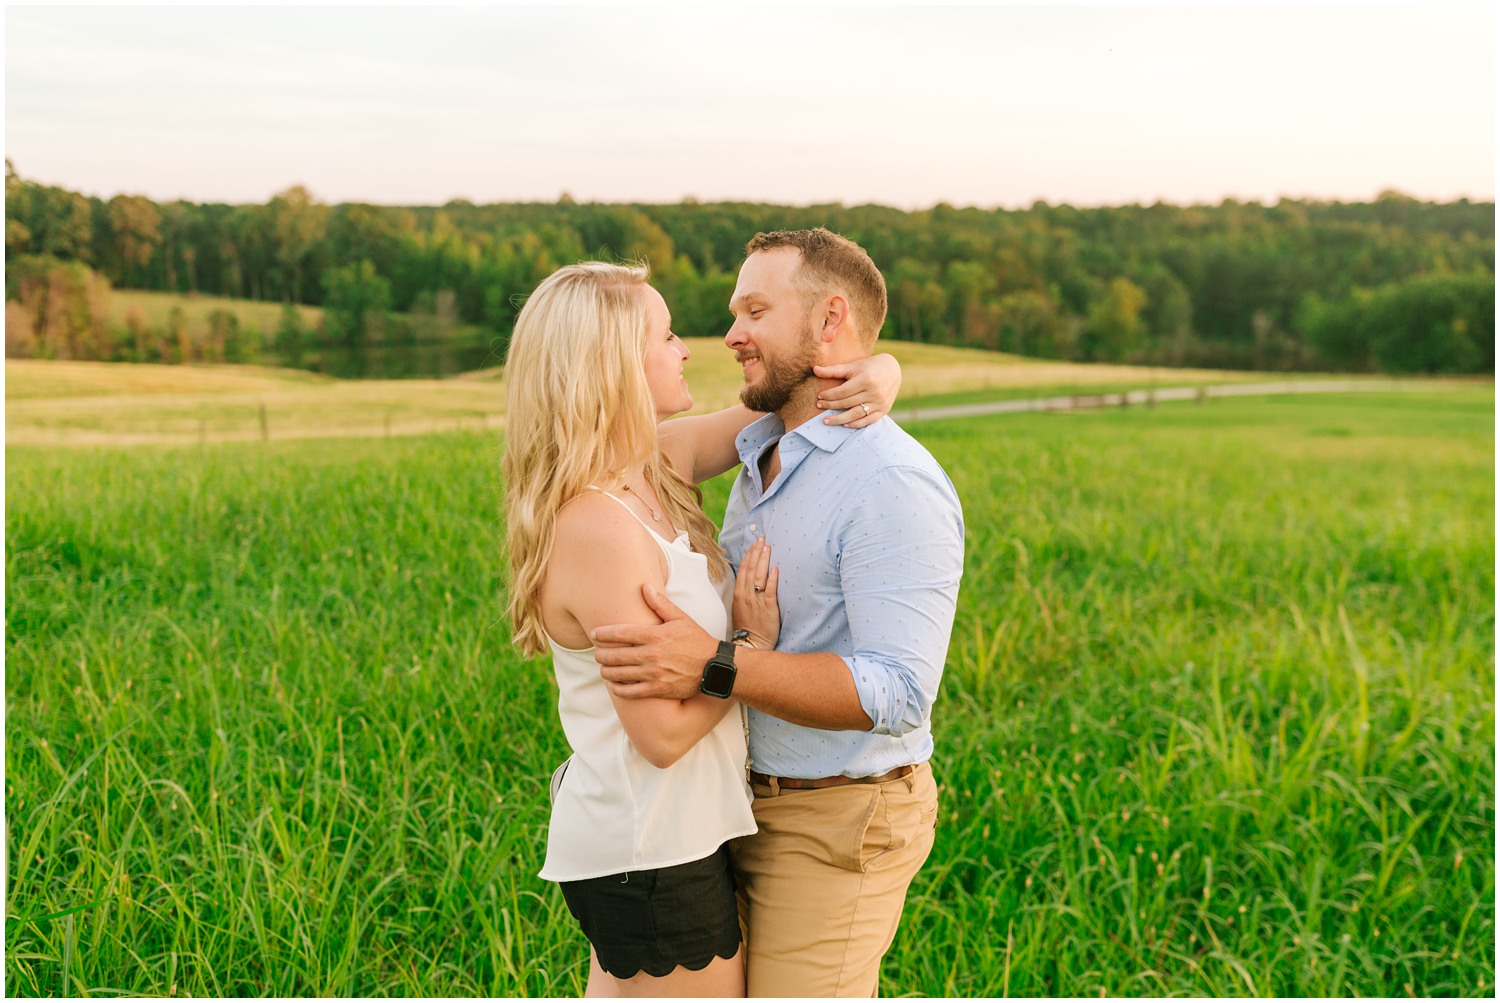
pixel 718 673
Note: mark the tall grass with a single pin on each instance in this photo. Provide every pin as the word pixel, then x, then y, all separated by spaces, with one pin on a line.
pixel 1217 718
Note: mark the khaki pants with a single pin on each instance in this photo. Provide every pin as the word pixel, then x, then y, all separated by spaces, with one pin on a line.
pixel 822 883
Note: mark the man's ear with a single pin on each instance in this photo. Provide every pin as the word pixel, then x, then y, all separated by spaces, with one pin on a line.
pixel 835 318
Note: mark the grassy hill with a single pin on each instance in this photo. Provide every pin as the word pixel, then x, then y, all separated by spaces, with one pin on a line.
pixel 157 307
pixel 80 403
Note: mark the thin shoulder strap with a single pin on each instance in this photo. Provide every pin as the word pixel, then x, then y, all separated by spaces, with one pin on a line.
pixel 621 503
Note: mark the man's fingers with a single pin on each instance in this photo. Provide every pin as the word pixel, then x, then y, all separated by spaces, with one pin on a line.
pixel 658 601
pixel 629 691
pixel 619 640
pixel 614 674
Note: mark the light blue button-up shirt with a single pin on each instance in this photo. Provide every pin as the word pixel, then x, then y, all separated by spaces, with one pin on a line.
pixel 868 536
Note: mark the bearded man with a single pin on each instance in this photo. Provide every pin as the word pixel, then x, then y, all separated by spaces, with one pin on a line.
pixel 868 534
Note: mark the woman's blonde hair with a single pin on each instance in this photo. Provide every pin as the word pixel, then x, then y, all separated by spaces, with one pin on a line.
pixel 579 413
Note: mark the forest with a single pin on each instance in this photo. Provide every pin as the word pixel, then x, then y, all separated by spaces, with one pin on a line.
pixel 1395 285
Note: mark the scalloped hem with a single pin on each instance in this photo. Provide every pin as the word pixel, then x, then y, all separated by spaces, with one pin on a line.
pixel 668 970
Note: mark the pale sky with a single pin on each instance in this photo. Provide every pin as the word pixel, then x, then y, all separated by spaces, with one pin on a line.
pixel 907 106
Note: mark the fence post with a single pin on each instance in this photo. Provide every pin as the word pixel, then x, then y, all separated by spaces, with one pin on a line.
pixel 265 424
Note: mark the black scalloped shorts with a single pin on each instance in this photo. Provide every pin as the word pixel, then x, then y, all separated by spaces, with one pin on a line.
pixel 653 921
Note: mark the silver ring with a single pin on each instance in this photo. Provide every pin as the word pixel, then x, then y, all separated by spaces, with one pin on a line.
pixel 867 409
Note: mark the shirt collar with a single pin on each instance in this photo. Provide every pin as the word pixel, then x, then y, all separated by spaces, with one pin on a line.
pixel 755 436
pixel 826 437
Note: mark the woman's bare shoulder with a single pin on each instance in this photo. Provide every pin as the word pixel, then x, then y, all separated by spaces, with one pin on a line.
pixel 596 530
pixel 601 556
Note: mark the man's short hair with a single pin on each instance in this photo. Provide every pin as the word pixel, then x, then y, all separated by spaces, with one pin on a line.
pixel 833 264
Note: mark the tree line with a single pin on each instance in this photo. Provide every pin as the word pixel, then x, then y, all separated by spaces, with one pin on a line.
pixel 1393 285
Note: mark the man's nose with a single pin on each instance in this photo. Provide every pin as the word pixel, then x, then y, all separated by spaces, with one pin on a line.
pixel 735 337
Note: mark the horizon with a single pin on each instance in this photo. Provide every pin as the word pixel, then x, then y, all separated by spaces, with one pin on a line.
pixel 692 200
pixel 985 107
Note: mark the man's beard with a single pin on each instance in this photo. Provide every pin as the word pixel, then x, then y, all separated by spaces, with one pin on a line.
pixel 780 378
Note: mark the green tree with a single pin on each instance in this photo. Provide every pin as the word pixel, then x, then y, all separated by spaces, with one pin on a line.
pixel 62 309
pixel 917 302
pixel 249 229
pixel 58 223
pixel 177 250
pixel 358 231
pixel 1433 324
pixel 970 288
pixel 139 333
pixel 356 302
pixel 291 335
pixel 226 340
pixel 1030 324
pixel 135 223
pixel 298 224
pixel 17 233
pixel 1114 328
pixel 180 336
pixel 1168 314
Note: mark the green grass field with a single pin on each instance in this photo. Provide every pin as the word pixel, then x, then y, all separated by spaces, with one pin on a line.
pixel 156 308
pixel 1218 717
pixel 57 403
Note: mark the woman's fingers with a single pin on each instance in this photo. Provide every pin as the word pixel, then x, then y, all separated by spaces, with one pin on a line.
pixel 755 606
pixel 762 567
pixel 856 399
pixel 867 393
pixel 754 569
pixel 854 382
pixel 854 416
pixel 745 578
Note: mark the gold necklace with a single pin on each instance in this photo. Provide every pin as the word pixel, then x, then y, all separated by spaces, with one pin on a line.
pixel 654 514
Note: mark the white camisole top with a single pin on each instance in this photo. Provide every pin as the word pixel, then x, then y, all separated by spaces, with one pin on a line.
pixel 614 811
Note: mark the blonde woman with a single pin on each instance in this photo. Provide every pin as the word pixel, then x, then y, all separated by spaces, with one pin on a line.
pixel 601 502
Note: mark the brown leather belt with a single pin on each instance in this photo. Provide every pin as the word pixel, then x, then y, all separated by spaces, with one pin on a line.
pixel 818 783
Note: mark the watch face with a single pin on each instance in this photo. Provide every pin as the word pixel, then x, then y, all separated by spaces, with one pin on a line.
pixel 718 678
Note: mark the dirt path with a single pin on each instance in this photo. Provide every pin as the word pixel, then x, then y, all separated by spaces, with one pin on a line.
pixel 1126 398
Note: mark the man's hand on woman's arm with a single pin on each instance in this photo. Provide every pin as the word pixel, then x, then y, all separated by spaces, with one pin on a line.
pixel 666 660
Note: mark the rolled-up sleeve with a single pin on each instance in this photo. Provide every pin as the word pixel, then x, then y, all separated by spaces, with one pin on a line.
pixel 901 556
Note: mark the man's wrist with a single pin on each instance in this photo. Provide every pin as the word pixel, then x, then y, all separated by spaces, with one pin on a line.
pixel 719 672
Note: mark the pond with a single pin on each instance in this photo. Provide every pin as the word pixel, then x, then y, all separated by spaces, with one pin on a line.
pixel 398 360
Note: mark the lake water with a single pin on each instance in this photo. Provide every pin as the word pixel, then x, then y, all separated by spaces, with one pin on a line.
pixel 401 361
